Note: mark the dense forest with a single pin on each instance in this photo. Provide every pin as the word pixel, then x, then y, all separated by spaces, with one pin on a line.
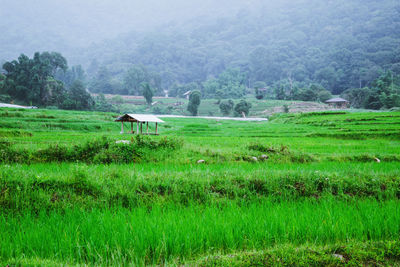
pixel 303 49
pixel 336 44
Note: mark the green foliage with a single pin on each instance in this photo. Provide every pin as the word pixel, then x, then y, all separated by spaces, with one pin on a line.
pixel 384 94
pixel 230 83
pixel 194 102
pixel 135 77
pixel 226 107
pixel 285 108
pixel 31 81
pixel 102 150
pixel 2 83
pixel 117 99
pixel 178 90
pixel 286 90
pixel 5 98
pixel 69 76
pixel 78 98
pixel 102 82
pixel 156 235
pixel 242 108
pixel 147 93
pixel 272 45
pixel 353 253
pixel 101 103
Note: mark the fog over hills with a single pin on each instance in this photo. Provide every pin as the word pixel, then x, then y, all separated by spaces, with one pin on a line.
pixel 335 44
pixel 64 25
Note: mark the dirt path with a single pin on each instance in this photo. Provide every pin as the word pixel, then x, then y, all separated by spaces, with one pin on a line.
pixel 5 105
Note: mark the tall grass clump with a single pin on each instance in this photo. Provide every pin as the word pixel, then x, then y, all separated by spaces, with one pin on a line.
pixel 101 150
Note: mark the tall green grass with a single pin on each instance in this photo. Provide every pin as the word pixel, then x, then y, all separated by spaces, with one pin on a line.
pixel 40 187
pixel 156 235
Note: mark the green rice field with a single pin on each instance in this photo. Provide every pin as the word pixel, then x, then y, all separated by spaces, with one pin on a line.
pixel 307 189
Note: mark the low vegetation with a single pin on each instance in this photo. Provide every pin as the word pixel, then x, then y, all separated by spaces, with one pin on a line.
pixel 301 189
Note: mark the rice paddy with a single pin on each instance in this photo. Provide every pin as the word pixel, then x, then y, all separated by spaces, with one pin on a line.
pixel 300 189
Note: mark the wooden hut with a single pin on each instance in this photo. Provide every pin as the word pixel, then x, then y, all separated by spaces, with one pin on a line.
pixel 139 119
pixel 338 102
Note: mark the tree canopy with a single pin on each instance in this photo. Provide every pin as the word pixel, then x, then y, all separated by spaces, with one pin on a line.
pixel 194 102
pixel 333 44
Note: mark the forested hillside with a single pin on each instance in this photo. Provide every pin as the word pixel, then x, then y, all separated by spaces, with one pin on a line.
pixel 337 44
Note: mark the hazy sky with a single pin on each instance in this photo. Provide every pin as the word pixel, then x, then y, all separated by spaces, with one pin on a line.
pixel 85 21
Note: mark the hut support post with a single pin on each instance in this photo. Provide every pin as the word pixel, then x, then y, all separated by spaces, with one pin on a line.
pixel 141 128
pixel 131 127
pixel 122 127
pixel 137 127
pixel 147 127
pixel 156 127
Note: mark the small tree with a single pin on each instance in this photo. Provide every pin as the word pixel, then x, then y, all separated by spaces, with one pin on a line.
pixel 101 104
pixel 242 108
pixel 78 98
pixel 226 107
pixel 280 93
pixel 324 95
pixel 194 102
pixel 147 93
pixel 285 108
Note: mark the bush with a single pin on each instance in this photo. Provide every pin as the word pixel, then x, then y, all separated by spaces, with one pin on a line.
pixel 226 107
pixel 269 149
pixel 10 155
pixel 243 107
pixel 102 150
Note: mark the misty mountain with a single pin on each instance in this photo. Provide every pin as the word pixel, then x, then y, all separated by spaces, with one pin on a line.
pixel 66 25
pixel 336 44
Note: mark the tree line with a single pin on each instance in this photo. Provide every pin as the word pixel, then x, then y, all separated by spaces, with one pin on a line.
pixel 46 81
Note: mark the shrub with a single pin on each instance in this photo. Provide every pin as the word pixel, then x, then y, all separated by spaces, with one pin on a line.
pixel 243 107
pixel 269 149
pixel 102 150
pixel 10 155
pixel 53 153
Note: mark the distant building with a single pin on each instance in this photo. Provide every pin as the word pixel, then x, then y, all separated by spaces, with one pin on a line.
pixel 165 93
pixel 187 94
pixel 338 102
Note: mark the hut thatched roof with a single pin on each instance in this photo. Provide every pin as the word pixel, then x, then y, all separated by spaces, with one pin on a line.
pixel 336 100
pixel 139 118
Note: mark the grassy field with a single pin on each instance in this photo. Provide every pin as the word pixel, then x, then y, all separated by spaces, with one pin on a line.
pixel 301 189
pixel 210 107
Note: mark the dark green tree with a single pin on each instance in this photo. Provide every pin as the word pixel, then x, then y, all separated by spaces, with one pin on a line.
pixel 147 93
pixel 242 108
pixel 27 79
pixel 78 98
pixel 70 75
pixel 194 102
pixel 308 94
pixel 101 104
pixel 101 82
pixel 357 97
pixel 226 107
pixel 323 96
pixel 280 93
